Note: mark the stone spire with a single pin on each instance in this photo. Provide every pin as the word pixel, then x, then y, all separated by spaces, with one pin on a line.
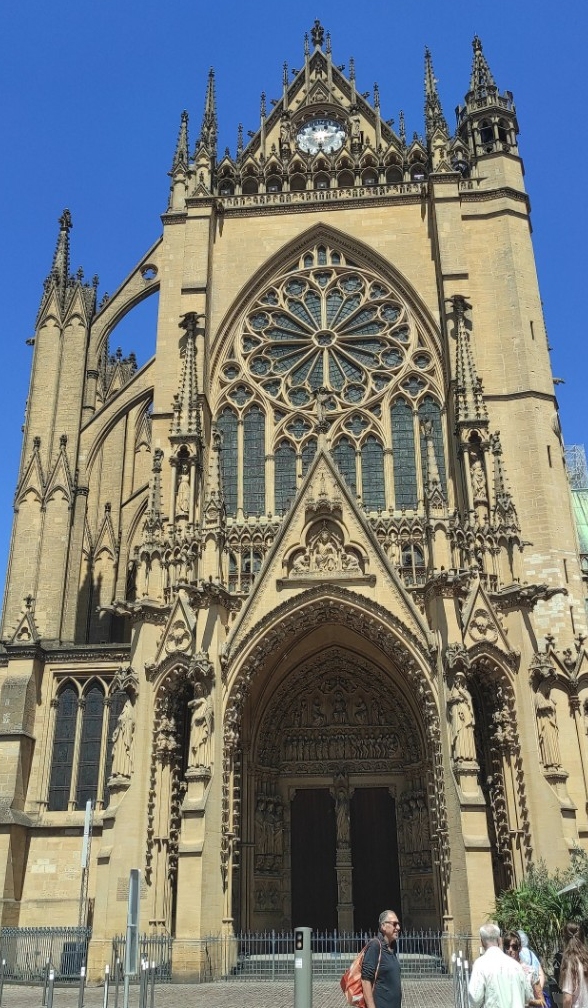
pixel 181 156
pixel 482 82
pixel 60 270
pixel 504 512
pixel 470 408
pixel 209 129
pixel 61 286
pixel 434 118
pixel 186 420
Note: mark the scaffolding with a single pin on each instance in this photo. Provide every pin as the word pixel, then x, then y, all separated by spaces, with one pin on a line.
pixel 577 467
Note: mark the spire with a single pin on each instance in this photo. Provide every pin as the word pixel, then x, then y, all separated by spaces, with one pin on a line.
pixel 61 265
pixel 186 421
pixel 481 82
pixel 239 141
pixel 209 131
pixel 402 128
pixel 181 157
pixel 470 408
pixel 505 514
pixel 434 118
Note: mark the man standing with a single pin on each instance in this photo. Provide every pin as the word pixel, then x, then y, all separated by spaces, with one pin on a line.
pixel 380 971
pixel 497 981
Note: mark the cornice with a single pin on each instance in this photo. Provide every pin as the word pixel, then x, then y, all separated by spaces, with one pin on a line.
pixel 48 651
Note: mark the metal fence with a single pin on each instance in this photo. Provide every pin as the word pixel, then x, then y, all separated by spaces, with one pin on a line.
pixel 30 952
pixel 270 956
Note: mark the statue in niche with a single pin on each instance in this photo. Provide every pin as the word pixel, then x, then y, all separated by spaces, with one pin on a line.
pixel 350 562
pixel 200 729
pixel 260 827
pixel 342 815
pixel 326 555
pixel 123 739
pixel 166 741
pixel 318 717
pixel 183 495
pixel 278 829
pixel 361 711
pixel 339 708
pixel 461 715
pixel 478 479
pixel 548 730
pixel 301 564
pixel 285 133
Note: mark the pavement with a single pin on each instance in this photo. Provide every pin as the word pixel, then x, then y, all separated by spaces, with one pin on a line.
pixel 434 993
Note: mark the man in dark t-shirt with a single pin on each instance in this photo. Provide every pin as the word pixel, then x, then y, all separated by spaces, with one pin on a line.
pixel 381 983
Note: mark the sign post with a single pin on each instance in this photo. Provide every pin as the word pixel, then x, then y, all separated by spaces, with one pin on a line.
pixel 302 968
pixel 132 942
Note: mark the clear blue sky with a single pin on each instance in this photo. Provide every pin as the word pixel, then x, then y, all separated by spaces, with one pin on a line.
pixel 91 100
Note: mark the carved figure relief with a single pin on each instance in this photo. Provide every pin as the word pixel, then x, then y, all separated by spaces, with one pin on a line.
pixel 326 554
pixel 413 822
pixel 482 627
pixel 461 720
pixel 269 834
pixel 178 637
pixel 342 814
pixel 548 731
pixel 201 724
pixel 123 742
pixel 183 494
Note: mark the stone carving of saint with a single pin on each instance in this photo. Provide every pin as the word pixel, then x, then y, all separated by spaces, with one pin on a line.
pixel 285 133
pixel 123 738
pixel 361 711
pixel 260 827
pixel 318 718
pixel 342 816
pixel 339 708
pixel 183 495
pixel 478 480
pixel 200 729
pixel 548 731
pixel 461 714
pixel 326 557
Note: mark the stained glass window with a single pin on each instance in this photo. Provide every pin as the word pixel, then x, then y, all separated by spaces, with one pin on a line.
pixel 227 424
pixel 63 749
pixel 308 453
pixel 372 474
pixel 285 478
pixel 254 462
pixel 344 455
pixel 429 411
pixel 405 481
pixel 90 746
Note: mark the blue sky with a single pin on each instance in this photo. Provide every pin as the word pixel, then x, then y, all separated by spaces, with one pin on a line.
pixel 92 97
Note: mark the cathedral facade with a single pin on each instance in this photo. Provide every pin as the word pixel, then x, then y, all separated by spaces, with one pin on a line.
pixel 297 605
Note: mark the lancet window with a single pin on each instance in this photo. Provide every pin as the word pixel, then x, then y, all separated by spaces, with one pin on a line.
pixel 329 345
pixel 84 720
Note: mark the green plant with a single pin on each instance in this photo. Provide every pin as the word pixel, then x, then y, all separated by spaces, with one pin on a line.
pixel 537 905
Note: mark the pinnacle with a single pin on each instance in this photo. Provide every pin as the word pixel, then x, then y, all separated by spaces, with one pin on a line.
pixel 481 79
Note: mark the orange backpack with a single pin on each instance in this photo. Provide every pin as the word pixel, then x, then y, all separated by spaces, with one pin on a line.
pixel 351 979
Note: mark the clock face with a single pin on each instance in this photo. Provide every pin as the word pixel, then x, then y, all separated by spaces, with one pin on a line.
pixel 320 134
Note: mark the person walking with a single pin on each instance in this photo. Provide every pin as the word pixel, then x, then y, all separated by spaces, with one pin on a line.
pixel 496 980
pixel 380 971
pixel 573 974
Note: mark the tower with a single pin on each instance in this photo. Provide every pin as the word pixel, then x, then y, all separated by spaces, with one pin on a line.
pixel 309 575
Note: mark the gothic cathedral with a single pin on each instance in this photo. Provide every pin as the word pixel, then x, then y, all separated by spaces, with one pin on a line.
pixel 304 588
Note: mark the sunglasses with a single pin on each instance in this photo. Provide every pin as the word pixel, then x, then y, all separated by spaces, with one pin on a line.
pixel 511 945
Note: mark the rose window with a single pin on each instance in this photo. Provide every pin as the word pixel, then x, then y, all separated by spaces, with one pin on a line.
pixel 334 329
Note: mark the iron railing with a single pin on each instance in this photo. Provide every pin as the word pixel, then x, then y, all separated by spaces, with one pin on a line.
pixel 30 952
pixel 270 956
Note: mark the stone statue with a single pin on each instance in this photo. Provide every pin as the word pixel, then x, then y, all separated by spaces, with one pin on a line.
pixel 461 715
pixel 183 495
pixel 123 738
pixel 478 480
pixel 200 729
pixel 342 816
pixel 548 731
pixel 325 552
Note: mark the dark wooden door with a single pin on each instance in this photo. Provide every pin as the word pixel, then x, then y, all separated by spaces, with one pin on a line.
pixel 314 879
pixel 374 851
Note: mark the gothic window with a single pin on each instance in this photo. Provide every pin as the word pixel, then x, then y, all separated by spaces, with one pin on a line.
pixel 403 448
pixel 346 179
pixel 344 455
pixel 370 177
pixel 81 757
pixel 328 342
pixel 321 181
pixel 285 476
pixel 486 133
pixel 298 183
pixel 429 411
pixel 90 745
pixel 250 186
pixel 274 184
pixel 63 748
pixel 502 128
pixel 418 172
pixel 227 424
pixel 394 176
pixel 412 564
pixel 372 475
pixel 254 462
pixel 242 574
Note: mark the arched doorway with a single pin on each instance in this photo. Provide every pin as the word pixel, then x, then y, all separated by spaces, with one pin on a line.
pixel 335 819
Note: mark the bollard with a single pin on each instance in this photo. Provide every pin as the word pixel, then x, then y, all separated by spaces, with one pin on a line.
pixel 82 989
pixel 50 986
pixel 45 981
pixel 302 968
pixel 106 986
pixel 116 981
pixel 152 992
pixel 2 971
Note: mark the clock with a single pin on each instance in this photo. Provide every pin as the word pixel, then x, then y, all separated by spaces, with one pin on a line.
pixel 320 134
